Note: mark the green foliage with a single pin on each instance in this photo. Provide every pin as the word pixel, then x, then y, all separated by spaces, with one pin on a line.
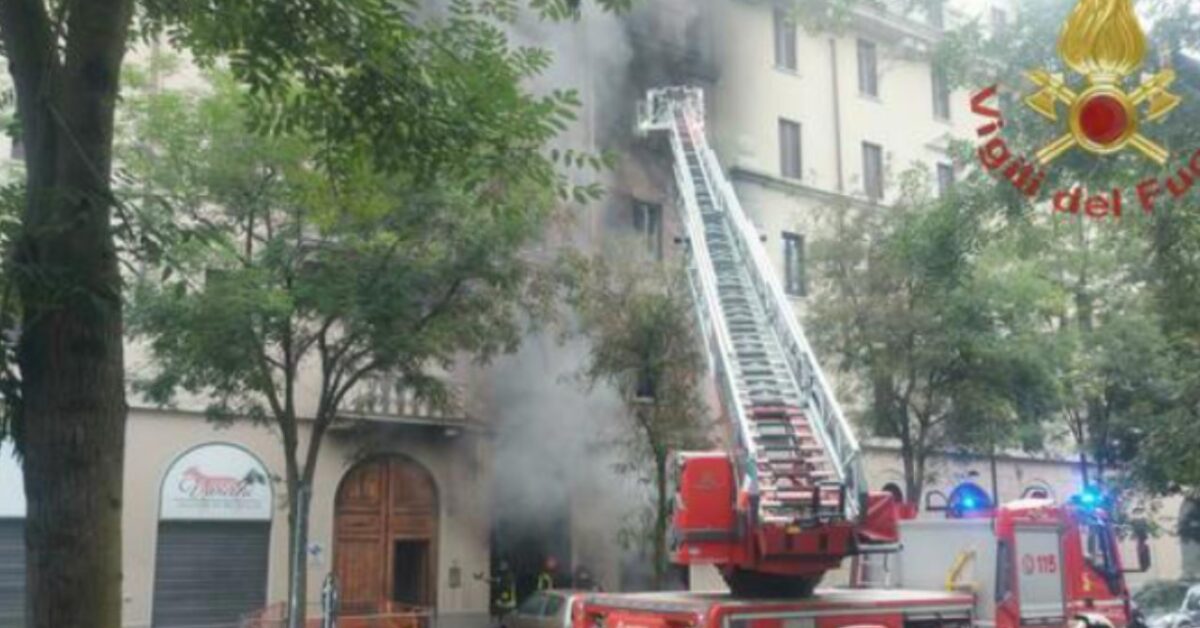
pixel 430 94
pixel 12 201
pixel 282 267
pixel 638 316
pixel 938 329
pixel 1051 325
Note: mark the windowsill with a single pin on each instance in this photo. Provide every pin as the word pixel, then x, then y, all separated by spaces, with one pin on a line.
pixel 789 71
pixel 943 120
pixel 791 178
pixel 871 97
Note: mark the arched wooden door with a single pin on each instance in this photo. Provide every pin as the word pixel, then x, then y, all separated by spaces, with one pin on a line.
pixel 386 533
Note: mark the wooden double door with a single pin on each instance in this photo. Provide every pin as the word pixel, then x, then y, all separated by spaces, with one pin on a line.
pixel 386 536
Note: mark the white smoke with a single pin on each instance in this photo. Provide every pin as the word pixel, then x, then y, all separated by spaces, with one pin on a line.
pixel 552 452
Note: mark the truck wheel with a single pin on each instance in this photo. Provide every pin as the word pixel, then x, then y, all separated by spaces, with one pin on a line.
pixel 753 584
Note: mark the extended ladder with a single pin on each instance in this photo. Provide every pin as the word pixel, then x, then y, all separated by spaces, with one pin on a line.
pixel 796 455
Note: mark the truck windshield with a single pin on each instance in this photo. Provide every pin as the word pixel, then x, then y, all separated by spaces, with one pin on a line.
pixel 1099 552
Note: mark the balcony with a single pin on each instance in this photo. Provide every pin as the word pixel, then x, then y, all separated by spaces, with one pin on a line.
pixel 388 399
pixel 914 26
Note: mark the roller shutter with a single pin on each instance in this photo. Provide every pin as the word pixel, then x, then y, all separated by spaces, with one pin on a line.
pixel 208 574
pixel 12 573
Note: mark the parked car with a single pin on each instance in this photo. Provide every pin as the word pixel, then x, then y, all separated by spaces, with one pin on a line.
pixel 544 609
pixel 1172 604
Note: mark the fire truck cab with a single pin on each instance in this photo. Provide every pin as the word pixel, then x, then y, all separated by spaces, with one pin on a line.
pixel 1029 562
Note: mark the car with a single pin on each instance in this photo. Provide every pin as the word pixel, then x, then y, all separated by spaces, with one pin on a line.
pixel 1172 604
pixel 544 609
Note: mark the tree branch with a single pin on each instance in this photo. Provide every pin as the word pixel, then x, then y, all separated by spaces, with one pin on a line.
pixel 440 306
pixel 349 383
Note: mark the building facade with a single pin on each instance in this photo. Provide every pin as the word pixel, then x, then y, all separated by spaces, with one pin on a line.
pixel 399 511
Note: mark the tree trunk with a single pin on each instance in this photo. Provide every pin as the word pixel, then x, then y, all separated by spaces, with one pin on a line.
pixel 298 511
pixel 70 424
pixel 920 457
pixel 912 488
pixel 660 519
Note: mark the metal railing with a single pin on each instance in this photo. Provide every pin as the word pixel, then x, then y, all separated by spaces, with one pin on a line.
pixel 660 112
pixel 833 431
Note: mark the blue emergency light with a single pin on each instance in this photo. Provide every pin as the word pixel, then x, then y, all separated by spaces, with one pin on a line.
pixel 1090 497
pixel 968 498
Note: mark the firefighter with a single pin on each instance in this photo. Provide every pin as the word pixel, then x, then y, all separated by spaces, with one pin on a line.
pixel 582 580
pixel 504 591
pixel 545 580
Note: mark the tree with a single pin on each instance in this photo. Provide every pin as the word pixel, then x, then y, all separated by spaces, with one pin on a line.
pixel 428 97
pixel 69 419
pixel 302 277
pixel 939 344
pixel 639 319
pixel 1112 304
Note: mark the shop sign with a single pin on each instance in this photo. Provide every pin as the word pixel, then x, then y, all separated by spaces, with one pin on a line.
pixel 217 482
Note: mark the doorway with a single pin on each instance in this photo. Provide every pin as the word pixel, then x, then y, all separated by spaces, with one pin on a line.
pixel 385 536
pixel 410 563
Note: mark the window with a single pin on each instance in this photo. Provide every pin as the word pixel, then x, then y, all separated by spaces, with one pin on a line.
pixel 1004 570
pixel 533 605
pixel 941 95
pixel 935 11
pixel 647 220
pixel 872 171
pixel 785 40
pixel 793 264
pixel 553 605
pixel 1098 551
pixel 1035 492
pixel 945 179
pixel 895 491
pixel 789 149
pixel 999 21
pixel 868 76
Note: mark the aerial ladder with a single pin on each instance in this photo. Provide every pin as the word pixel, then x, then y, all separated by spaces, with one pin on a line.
pixel 788 500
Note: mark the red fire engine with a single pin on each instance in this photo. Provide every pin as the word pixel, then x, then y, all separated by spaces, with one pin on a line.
pixel 787 501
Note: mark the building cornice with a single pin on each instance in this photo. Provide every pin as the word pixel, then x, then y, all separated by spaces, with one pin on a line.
pixel 892 26
pixel 889 446
pixel 344 420
pixel 751 175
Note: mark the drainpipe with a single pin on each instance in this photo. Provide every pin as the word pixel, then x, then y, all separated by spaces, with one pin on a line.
pixel 837 113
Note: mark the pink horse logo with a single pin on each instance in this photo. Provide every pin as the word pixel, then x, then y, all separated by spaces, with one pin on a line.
pixel 197 485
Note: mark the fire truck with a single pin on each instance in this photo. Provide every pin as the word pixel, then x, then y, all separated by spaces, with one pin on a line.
pixel 788 500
